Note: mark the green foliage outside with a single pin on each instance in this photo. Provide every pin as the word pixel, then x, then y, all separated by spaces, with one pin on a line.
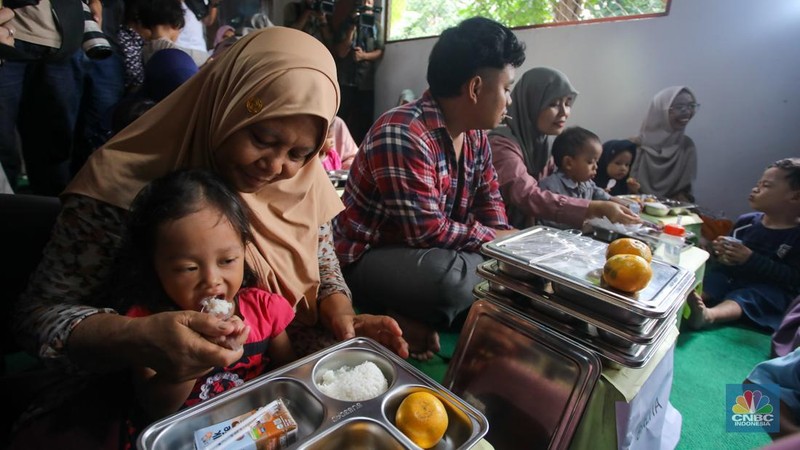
pixel 422 18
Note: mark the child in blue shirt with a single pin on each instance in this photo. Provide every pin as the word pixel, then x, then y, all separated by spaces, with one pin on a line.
pixel 756 270
pixel 575 152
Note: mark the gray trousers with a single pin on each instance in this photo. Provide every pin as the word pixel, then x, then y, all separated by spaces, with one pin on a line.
pixel 432 285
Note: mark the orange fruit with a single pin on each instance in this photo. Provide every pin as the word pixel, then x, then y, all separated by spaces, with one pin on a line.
pixel 629 273
pixel 422 417
pixel 629 246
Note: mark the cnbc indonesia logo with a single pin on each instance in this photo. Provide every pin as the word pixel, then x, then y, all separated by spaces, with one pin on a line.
pixel 753 407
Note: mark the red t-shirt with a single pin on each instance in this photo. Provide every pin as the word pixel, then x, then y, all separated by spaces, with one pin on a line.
pixel 268 315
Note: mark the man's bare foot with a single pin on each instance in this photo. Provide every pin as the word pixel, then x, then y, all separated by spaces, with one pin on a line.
pixel 699 316
pixel 423 341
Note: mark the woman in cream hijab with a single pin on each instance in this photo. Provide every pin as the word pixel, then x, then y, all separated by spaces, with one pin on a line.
pixel 258 116
pixel 666 161
pixel 540 106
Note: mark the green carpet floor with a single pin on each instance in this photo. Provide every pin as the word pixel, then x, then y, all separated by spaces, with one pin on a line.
pixel 705 361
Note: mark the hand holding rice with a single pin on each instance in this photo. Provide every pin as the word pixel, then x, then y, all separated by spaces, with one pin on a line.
pixel 362 382
pixel 218 307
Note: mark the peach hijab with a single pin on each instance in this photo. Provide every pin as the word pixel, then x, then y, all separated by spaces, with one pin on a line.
pixel 275 72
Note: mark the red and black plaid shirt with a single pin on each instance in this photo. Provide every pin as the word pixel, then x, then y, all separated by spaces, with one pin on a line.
pixel 406 187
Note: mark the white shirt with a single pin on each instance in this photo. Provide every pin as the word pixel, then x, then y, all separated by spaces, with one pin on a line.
pixel 193 33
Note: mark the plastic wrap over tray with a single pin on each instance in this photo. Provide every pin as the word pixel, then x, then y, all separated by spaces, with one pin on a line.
pixel 559 308
pixel 574 265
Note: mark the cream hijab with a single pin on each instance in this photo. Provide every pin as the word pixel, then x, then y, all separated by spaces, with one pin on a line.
pixel 536 89
pixel 275 72
pixel 666 161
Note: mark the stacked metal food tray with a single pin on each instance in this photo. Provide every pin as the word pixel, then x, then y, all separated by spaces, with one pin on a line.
pixel 555 277
pixel 324 422
pixel 338 177
pixel 647 232
pixel 531 382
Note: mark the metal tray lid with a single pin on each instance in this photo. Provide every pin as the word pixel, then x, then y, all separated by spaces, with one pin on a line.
pixel 532 383
pixel 634 357
pixel 577 261
pixel 488 270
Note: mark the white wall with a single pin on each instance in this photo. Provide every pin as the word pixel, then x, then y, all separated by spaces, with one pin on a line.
pixel 740 57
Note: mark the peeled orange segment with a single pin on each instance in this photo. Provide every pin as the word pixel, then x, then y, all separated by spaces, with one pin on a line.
pixel 422 418
pixel 629 246
pixel 628 273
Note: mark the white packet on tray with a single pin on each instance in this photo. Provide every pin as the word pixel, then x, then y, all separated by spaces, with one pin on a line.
pixel 605 223
pixel 275 428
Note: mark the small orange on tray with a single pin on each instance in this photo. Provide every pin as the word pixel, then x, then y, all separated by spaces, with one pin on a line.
pixel 629 246
pixel 628 273
pixel 422 418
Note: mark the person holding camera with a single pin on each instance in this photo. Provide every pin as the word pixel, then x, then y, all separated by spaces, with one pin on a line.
pixel 311 16
pixel 357 52
pixel 39 91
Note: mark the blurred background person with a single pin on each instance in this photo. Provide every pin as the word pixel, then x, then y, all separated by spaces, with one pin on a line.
pixel 310 16
pixel 357 52
pixel 103 85
pixel 343 141
pixel 164 19
pixel 39 90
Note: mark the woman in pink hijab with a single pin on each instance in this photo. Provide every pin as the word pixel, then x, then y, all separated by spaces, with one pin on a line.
pixel 223 32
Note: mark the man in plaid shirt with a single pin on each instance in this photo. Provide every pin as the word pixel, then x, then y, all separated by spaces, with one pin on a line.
pixel 422 195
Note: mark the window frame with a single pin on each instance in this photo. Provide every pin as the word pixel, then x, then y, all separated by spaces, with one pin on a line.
pixel 387 9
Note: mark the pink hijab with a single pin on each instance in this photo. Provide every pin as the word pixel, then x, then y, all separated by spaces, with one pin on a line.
pixel 220 36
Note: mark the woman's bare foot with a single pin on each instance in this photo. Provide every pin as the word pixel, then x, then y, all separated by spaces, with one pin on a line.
pixel 423 341
pixel 699 316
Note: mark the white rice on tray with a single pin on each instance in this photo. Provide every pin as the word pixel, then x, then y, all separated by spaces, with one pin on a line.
pixel 362 382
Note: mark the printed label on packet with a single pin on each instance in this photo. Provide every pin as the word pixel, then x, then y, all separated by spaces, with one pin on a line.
pixel 275 429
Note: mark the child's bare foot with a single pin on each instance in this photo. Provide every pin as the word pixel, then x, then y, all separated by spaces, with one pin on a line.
pixel 699 316
pixel 423 341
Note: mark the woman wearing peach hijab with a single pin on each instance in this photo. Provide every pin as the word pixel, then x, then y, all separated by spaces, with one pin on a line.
pixel 257 116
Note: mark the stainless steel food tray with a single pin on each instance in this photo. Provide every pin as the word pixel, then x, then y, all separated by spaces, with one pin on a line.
pixel 574 265
pixel 644 334
pixel 675 206
pixel 338 177
pixel 531 382
pixel 324 422
pixel 648 233
pixel 633 356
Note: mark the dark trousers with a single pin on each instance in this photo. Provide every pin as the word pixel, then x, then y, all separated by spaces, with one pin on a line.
pixel 432 285
pixel 102 87
pixel 40 99
pixel 357 110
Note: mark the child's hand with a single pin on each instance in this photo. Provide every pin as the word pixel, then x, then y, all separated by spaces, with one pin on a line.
pixel 633 185
pixel 717 246
pixel 235 340
pixel 735 253
pixel 730 253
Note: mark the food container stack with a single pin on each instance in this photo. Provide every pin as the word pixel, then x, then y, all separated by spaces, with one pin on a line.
pixel 555 278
